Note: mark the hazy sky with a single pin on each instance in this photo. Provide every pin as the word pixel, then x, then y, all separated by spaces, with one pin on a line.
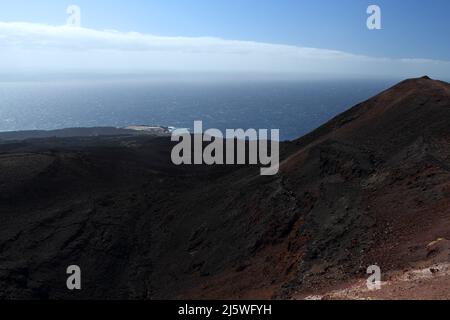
pixel 296 36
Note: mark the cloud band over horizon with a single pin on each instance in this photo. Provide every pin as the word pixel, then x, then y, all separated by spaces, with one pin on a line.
pixel 44 48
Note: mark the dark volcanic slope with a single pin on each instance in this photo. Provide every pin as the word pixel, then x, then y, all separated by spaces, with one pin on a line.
pixel 369 187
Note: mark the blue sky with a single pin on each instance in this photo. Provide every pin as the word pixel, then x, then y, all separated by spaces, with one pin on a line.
pixel 413 29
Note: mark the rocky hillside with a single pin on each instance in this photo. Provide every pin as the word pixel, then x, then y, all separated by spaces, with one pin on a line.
pixel 369 187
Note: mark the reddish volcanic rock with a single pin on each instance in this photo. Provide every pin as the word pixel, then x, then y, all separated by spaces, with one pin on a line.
pixel 372 186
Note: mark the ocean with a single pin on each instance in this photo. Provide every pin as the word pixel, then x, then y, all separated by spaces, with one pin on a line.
pixel 294 107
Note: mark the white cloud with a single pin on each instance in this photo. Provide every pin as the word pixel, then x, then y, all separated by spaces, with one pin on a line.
pixel 37 47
